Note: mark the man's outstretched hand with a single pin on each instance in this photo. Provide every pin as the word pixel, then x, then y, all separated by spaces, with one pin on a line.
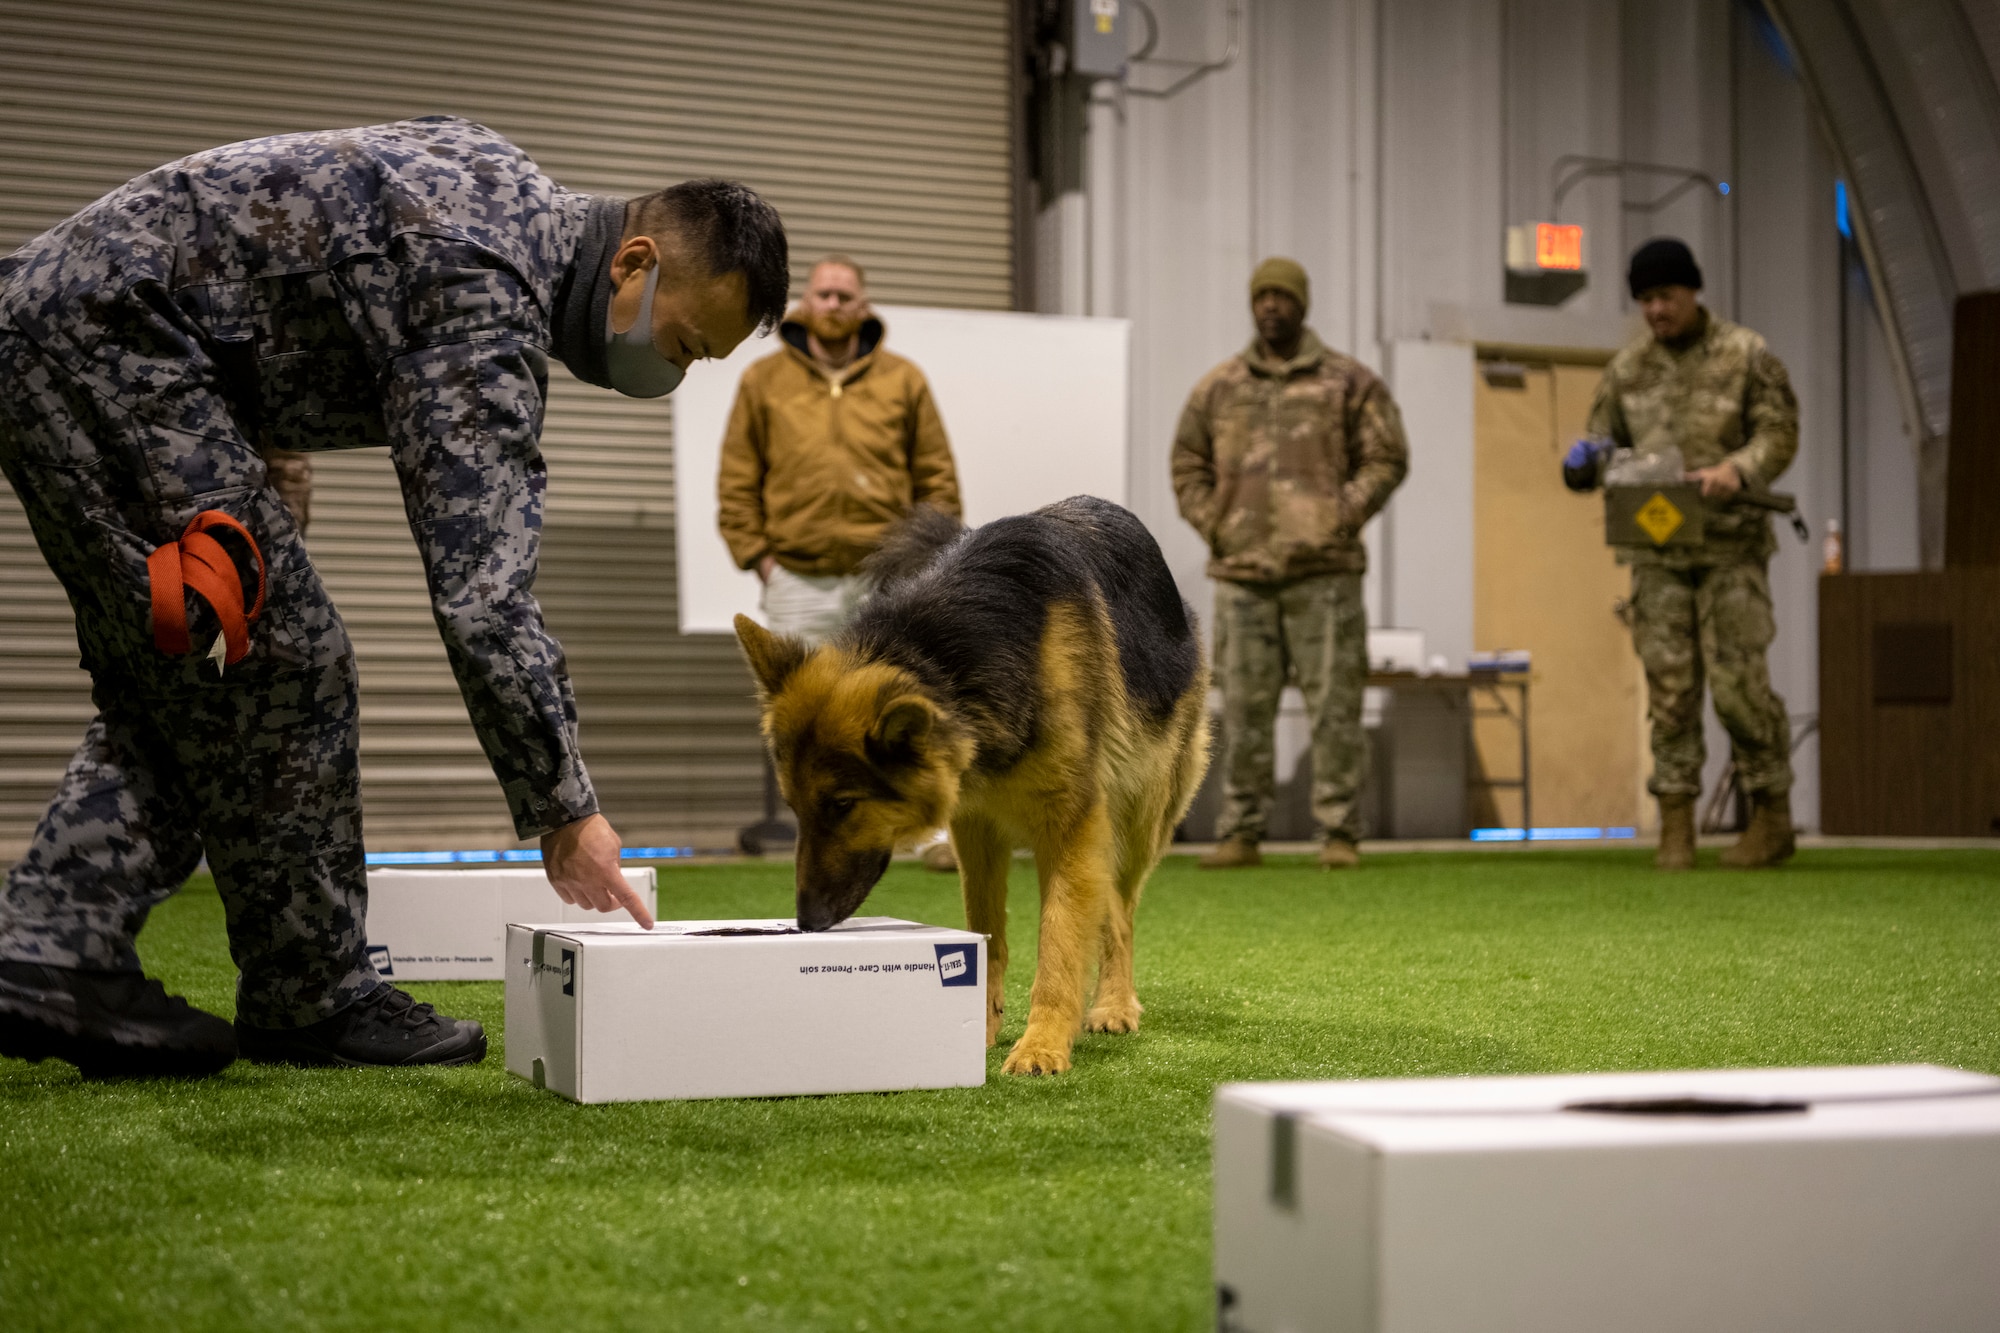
pixel 582 863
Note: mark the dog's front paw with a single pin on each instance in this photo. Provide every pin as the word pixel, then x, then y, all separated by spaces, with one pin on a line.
pixel 1035 1055
pixel 993 1019
pixel 1114 1016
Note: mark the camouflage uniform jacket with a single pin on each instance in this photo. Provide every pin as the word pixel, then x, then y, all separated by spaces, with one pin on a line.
pixel 1278 463
pixel 1722 397
pixel 391 285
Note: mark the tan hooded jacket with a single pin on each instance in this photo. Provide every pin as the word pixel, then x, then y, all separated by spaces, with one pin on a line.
pixel 1277 464
pixel 816 464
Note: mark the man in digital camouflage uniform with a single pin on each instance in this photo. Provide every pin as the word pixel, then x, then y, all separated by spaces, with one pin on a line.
pixel 400 285
pixel 1283 452
pixel 1713 390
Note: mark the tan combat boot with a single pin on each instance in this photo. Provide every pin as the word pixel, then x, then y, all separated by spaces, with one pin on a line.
pixel 1338 853
pixel 1232 853
pixel 1676 833
pixel 1769 839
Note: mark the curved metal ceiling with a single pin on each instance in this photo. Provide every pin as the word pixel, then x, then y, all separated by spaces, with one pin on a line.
pixel 1907 92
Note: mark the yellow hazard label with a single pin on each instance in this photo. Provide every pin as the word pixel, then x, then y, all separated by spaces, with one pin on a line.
pixel 1104 23
pixel 1658 518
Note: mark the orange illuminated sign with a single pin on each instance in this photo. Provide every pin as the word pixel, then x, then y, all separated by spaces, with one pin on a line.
pixel 1558 246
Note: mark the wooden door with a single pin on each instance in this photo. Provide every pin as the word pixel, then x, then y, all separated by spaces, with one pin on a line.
pixel 1545 581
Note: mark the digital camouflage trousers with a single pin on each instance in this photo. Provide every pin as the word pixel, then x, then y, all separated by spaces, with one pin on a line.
pixel 1314 631
pixel 255 765
pixel 1711 624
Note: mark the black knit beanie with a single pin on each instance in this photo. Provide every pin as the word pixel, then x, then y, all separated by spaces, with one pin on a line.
pixel 1662 262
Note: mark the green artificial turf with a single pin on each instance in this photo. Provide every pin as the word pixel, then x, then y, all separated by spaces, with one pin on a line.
pixel 465 1198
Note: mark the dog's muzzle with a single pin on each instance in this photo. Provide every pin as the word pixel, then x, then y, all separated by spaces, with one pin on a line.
pixel 828 896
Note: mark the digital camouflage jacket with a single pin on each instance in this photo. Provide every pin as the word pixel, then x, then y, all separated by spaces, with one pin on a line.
pixel 1723 396
pixel 1278 464
pixel 391 285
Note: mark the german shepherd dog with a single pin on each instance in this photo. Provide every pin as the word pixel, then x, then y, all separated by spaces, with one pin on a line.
pixel 1034 682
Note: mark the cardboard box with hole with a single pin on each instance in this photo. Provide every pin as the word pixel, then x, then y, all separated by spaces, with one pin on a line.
pixel 1831 1200
pixel 612 1013
pixel 451 925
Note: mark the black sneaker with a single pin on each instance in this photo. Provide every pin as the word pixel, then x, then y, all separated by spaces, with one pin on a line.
pixel 108 1024
pixel 385 1028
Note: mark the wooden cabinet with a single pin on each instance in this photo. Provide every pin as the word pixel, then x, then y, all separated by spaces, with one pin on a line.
pixel 1909 664
pixel 1909 697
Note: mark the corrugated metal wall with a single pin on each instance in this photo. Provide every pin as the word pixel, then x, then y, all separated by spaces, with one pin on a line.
pixel 880 129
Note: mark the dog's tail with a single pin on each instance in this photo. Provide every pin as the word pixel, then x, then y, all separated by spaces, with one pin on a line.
pixel 911 543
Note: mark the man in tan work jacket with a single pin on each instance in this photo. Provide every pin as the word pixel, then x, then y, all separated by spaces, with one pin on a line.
pixel 832 439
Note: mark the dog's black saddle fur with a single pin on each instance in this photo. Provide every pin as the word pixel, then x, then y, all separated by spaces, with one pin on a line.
pixel 968 621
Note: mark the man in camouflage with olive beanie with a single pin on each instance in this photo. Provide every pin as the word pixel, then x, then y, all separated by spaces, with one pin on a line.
pixel 1714 391
pixel 1282 453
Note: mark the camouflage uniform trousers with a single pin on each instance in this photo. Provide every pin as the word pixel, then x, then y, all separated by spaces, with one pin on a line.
pixel 1315 629
pixel 256 766
pixel 1711 623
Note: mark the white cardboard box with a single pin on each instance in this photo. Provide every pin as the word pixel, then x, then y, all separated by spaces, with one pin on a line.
pixel 1395 649
pixel 1394 1206
pixel 613 1013
pixel 451 925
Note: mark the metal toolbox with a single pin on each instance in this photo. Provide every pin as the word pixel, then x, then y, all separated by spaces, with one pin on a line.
pixel 1653 516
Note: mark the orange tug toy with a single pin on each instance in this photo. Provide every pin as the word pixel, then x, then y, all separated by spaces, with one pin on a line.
pixel 199 562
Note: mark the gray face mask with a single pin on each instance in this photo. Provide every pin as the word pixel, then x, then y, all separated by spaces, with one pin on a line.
pixel 634 365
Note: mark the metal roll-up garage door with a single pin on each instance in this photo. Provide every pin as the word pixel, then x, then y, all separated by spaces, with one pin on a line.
pixel 879 129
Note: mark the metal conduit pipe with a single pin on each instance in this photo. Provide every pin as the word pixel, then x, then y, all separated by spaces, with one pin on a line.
pixel 1197 70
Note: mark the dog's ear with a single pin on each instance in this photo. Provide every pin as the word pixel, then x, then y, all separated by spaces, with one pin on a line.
pixel 901 729
pixel 772 657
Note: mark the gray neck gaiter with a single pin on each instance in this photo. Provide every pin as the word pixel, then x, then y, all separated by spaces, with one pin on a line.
pixel 583 304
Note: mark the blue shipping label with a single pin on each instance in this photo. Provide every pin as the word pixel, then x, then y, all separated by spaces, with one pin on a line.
pixel 958 964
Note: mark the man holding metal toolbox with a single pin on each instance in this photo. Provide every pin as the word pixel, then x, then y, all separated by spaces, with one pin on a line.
pixel 1691 425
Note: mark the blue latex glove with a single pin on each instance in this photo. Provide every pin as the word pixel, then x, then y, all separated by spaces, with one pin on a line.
pixel 1583 463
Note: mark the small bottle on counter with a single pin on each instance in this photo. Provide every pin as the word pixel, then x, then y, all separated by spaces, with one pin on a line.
pixel 1834 559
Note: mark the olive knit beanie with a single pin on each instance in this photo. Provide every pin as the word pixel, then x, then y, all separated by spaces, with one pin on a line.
pixel 1284 274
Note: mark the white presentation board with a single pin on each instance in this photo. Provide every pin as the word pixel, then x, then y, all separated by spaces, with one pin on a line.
pixel 1035 406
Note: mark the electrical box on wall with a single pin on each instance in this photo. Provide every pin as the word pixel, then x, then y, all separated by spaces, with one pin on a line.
pixel 1545 263
pixel 1097 38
